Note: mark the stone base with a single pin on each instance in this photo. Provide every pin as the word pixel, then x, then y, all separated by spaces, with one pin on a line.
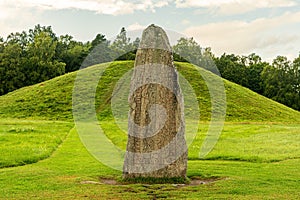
pixel 174 170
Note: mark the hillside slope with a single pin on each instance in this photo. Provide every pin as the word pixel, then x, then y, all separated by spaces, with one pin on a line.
pixel 52 100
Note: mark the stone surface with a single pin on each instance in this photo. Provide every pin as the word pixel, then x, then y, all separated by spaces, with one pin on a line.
pixel 156 144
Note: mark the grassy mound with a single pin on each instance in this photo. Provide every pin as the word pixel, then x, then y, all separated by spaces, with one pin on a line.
pixel 52 100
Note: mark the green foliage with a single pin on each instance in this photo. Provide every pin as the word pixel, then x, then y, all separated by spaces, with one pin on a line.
pixel 40 65
pixel 279 81
pixel 188 50
pixel 100 52
pixel 71 52
pixel 43 47
pixel 29 58
pixel 12 74
pixel 121 44
pixel 243 70
pixel 122 48
pixel 282 81
pixel 98 40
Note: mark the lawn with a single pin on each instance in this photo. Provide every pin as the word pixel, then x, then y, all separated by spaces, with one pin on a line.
pixel 28 141
pixel 248 169
pixel 255 142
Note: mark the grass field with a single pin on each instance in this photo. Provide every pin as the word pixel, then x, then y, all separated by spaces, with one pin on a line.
pixel 42 157
pixel 254 142
pixel 65 174
pixel 24 142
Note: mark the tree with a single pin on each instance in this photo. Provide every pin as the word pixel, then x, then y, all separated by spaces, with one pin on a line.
pixel 254 67
pixel 296 71
pixel 121 47
pixel 296 83
pixel 99 51
pixel 99 39
pixel 18 38
pixel 243 70
pixel 1 44
pixel 38 29
pixel 136 43
pixel 43 47
pixel 188 49
pixel 71 52
pixel 231 68
pixel 75 56
pixel 40 65
pixel 208 61
pixel 11 73
pixel 281 82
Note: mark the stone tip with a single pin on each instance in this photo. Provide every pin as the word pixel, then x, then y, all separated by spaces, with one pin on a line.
pixel 154 37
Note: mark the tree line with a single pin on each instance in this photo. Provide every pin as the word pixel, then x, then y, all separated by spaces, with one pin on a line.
pixel 39 54
pixel 279 80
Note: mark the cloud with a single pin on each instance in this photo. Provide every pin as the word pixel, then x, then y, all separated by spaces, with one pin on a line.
pixel 263 35
pixel 119 7
pixel 111 7
pixel 12 16
pixel 135 26
pixel 230 7
pixel 20 14
pixel 185 22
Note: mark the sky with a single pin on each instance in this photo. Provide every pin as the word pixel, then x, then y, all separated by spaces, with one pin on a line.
pixel 268 27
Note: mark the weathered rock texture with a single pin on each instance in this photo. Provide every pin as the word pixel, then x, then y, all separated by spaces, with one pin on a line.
pixel 156 144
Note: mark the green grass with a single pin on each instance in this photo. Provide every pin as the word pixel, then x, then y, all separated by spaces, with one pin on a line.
pixel 24 142
pixel 256 157
pixel 62 175
pixel 254 142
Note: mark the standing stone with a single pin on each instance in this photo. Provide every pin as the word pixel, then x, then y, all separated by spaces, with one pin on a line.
pixel 156 144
